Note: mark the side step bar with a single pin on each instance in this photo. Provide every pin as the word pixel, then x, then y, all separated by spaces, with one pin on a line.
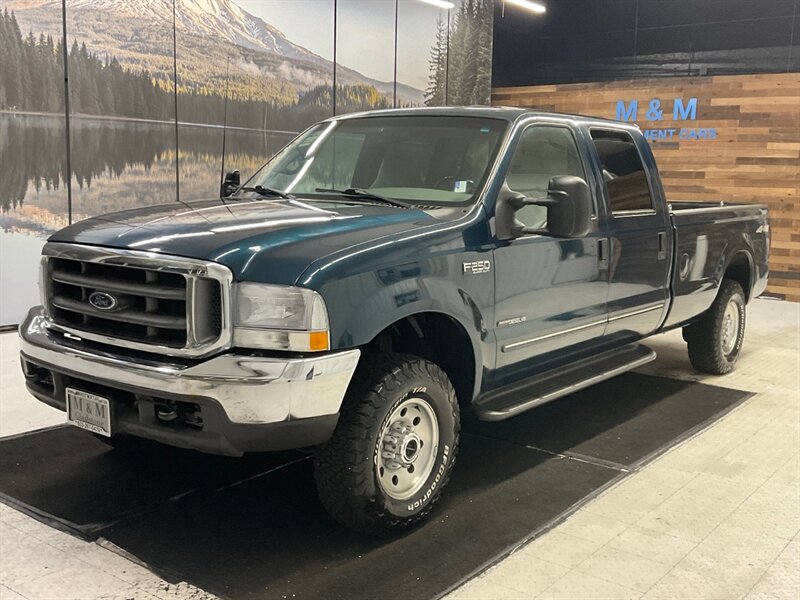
pixel 513 400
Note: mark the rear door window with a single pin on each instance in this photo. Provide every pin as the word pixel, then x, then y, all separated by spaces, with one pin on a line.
pixel 623 171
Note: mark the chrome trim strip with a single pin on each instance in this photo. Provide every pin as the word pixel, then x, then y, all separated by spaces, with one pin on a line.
pixel 251 389
pixel 713 208
pixel 190 268
pixel 633 313
pixel 633 212
pixel 522 343
pixel 605 321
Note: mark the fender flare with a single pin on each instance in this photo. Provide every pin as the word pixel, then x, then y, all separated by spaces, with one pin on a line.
pixel 379 311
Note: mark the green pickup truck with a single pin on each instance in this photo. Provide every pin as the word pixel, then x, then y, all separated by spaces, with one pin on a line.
pixel 379 276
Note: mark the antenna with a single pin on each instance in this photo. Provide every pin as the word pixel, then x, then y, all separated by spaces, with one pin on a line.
pixel 224 122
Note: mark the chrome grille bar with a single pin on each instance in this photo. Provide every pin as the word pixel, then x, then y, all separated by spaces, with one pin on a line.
pixel 124 287
pixel 166 304
pixel 136 317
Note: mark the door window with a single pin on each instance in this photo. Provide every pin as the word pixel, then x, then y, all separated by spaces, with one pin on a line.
pixel 543 152
pixel 623 171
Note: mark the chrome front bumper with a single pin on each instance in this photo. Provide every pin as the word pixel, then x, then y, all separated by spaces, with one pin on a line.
pixel 249 389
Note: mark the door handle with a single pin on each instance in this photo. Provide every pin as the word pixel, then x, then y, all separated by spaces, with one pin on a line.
pixel 602 253
pixel 662 245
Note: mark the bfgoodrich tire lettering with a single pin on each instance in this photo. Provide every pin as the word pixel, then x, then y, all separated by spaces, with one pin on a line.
pixel 715 341
pixel 348 468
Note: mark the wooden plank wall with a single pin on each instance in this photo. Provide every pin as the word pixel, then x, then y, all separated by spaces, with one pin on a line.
pixel 754 158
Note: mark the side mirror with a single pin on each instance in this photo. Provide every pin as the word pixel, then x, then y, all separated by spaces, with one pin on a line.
pixel 232 181
pixel 569 210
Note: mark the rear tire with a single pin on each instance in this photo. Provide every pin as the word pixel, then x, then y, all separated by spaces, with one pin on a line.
pixel 715 341
pixel 394 446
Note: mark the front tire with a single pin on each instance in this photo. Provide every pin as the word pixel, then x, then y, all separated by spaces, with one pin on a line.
pixel 394 446
pixel 715 341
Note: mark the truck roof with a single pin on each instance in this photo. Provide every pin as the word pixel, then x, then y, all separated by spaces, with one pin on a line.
pixel 506 113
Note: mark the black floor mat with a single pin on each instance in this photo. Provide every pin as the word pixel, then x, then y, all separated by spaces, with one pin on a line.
pixel 253 528
pixel 620 421
pixel 67 473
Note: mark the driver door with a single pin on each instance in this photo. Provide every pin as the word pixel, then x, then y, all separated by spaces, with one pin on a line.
pixel 550 293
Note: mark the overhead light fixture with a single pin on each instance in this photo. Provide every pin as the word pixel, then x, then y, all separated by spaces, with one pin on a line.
pixel 440 3
pixel 536 7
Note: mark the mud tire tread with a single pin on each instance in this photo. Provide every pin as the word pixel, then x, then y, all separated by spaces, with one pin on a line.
pixel 704 337
pixel 343 468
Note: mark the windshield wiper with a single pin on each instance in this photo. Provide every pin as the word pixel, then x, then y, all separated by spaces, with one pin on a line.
pixel 366 195
pixel 265 191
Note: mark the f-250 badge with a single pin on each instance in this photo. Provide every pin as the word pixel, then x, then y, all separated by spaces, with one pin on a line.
pixel 477 267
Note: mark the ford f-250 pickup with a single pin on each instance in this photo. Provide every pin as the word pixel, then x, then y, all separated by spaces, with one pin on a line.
pixel 378 276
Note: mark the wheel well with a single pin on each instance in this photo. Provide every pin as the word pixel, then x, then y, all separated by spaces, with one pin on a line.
pixel 739 271
pixel 437 338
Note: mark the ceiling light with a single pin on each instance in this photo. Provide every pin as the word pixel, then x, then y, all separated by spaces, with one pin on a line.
pixel 536 7
pixel 440 3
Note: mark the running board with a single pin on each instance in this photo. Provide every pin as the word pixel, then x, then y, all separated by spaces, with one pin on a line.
pixel 513 400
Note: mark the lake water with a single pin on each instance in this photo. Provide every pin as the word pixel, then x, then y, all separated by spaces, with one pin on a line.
pixel 116 165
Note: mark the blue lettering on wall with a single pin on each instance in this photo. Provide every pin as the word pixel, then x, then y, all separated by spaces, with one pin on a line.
pixel 654 112
pixel 684 113
pixel 681 111
pixel 629 112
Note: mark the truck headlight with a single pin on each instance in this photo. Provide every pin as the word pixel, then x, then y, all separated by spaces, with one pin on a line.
pixel 279 317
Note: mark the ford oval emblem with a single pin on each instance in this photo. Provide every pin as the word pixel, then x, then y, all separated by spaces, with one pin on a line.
pixel 102 301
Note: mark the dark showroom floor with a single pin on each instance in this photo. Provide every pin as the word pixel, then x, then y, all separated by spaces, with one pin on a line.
pixel 658 484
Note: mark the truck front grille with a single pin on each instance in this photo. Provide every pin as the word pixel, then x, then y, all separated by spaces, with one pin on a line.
pixel 146 302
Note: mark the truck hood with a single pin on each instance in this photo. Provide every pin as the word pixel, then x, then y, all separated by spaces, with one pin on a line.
pixel 271 241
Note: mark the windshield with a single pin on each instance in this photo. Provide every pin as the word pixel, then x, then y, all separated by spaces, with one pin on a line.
pixel 423 160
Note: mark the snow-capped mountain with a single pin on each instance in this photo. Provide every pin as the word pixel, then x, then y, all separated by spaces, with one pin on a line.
pixel 220 18
pixel 210 33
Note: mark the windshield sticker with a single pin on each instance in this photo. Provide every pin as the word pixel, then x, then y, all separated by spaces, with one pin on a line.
pixel 460 186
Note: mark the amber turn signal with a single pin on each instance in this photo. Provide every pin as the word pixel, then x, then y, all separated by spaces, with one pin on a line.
pixel 318 340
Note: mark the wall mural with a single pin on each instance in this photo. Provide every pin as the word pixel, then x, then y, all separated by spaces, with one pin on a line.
pixel 262 69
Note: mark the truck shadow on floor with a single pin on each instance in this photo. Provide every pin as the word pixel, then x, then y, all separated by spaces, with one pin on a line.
pixel 253 526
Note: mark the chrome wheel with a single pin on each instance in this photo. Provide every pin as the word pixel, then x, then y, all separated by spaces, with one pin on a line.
pixel 407 448
pixel 730 327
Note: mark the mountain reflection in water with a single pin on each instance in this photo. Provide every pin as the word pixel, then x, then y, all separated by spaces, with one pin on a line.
pixel 116 165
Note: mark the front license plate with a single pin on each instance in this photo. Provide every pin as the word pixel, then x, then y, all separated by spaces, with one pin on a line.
pixel 89 411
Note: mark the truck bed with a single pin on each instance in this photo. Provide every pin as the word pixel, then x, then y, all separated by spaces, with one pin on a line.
pixel 706 237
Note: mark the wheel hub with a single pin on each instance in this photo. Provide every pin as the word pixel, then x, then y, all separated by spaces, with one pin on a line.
pixel 730 327
pixel 401 446
pixel 408 446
